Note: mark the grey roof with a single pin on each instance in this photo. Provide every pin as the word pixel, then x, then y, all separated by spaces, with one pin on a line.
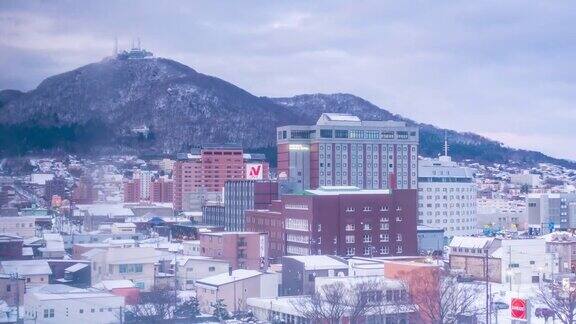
pixel 26 267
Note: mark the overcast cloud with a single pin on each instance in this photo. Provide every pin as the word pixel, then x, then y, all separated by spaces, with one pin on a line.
pixel 504 69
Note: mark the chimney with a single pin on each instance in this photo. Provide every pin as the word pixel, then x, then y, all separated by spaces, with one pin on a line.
pixel 230 271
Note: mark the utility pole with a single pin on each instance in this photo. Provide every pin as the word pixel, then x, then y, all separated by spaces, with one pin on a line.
pixel 488 303
pixel 12 277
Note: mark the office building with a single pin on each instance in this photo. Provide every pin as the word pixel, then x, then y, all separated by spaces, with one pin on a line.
pixel 239 196
pixel 342 150
pixel 551 211
pixel 345 221
pixel 209 168
pixel 446 196
pixel 162 190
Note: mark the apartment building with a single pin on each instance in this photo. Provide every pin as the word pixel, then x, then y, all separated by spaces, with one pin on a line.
pixel 447 196
pixel 243 250
pixel 135 263
pixel 342 150
pixel 551 211
pixel 210 167
pixel 23 226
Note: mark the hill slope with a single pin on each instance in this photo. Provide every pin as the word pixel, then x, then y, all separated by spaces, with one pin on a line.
pixel 107 106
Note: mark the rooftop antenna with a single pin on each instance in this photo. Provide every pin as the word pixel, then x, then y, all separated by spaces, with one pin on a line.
pixel 116 46
pixel 445 143
pixel 139 47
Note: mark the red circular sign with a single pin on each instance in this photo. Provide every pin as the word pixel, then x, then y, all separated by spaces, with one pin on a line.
pixel 518 308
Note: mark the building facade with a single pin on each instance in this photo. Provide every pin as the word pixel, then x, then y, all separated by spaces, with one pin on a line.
pixel 239 196
pixel 447 196
pixel 243 250
pixel 551 211
pixel 342 150
pixel 348 221
pixel 210 167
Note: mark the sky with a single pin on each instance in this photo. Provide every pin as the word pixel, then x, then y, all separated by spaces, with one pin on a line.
pixel 502 69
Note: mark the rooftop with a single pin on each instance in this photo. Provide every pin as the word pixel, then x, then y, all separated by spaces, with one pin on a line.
pixel 226 278
pixel 345 190
pixel 26 267
pixel 57 291
pixel 319 262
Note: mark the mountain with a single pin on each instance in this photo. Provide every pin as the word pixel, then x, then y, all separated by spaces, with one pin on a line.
pixel 157 105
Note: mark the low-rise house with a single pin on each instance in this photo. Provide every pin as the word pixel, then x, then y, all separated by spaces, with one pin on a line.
pixel 564 245
pixel 123 228
pixel 64 304
pixel 191 247
pixel 235 287
pixel 192 268
pixel 23 226
pixel 11 247
pixel 12 289
pixel 300 271
pixel 53 247
pixel 513 261
pixel 35 272
pixel 387 301
pixel 136 264
pixel 244 250
pixel 123 288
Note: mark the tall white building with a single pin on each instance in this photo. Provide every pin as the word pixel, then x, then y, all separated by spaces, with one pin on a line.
pixel 145 183
pixel 446 196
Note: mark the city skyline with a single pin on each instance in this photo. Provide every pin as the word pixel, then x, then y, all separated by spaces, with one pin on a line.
pixel 481 67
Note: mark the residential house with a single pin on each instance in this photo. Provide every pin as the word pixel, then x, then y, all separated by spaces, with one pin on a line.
pixel 35 272
pixel 299 272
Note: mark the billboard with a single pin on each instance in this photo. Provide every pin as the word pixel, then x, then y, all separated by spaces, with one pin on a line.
pixel 518 309
pixel 254 171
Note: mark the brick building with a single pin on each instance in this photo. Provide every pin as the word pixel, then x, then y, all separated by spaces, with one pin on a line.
pixel 162 190
pixel 342 150
pixel 210 167
pixel 271 221
pixel 344 221
pixel 244 250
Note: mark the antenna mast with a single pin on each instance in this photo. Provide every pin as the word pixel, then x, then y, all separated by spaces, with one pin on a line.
pixel 445 143
pixel 116 46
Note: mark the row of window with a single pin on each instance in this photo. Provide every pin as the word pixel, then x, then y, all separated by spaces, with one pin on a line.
pixel 371 250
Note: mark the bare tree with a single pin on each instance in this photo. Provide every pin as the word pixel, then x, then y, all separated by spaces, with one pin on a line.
pixel 326 304
pixel 441 299
pixel 560 299
pixel 154 306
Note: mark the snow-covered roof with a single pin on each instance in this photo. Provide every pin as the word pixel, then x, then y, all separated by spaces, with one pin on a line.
pixel 124 225
pixel 185 258
pixel 346 190
pixel 319 262
pixel 58 291
pixel 26 267
pixel 112 210
pixel 76 267
pixel 470 242
pixel 114 284
pixel 226 278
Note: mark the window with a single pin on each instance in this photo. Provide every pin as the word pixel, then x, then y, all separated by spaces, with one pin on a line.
pixel 81 311
pixel 367 238
pixel 339 133
pixel 350 239
pixel 367 209
pixel 326 133
pixel 350 227
pixel 367 250
pixel 350 251
pixel 130 268
pixel 384 238
pixel 211 269
pixel 399 237
pixel 384 226
pixel 367 227
pixel 384 250
pixel 399 249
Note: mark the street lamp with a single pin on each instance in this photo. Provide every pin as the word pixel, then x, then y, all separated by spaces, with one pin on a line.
pixel 509 273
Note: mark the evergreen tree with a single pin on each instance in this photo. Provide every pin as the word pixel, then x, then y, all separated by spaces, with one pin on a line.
pixel 190 308
pixel 220 310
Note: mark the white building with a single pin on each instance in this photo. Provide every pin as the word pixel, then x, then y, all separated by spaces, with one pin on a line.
pixel 145 183
pixel 192 268
pixel 65 304
pixel 36 272
pixel 24 226
pixel 446 196
pixel 525 178
pixel 502 213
